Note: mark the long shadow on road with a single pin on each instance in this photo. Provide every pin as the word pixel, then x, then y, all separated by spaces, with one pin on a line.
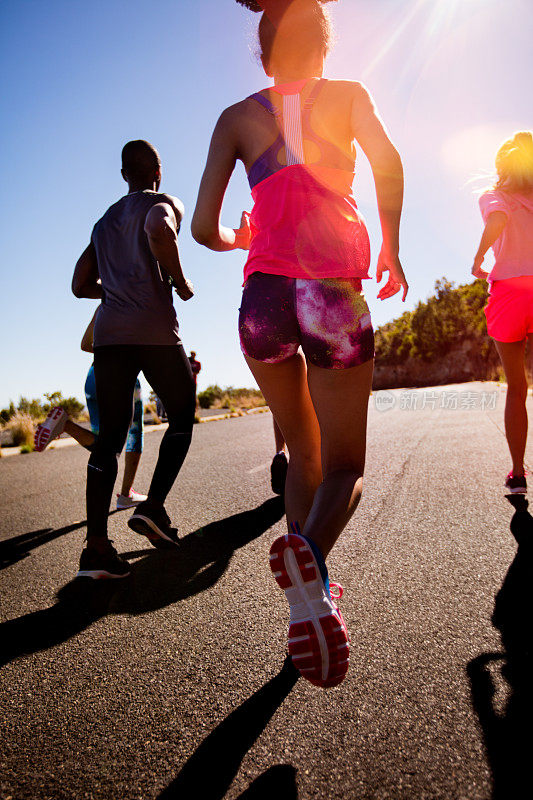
pixel 18 547
pixel 158 579
pixel 210 770
pixel 507 723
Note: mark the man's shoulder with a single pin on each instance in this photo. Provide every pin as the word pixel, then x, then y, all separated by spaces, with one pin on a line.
pixel 113 208
pixel 171 200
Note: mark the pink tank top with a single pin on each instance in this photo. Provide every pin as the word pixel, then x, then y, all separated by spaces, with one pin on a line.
pixel 305 222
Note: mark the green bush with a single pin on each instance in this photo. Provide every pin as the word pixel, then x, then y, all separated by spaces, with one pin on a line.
pixel 38 410
pixel 71 405
pixel 207 398
pixel 451 316
pixel 7 413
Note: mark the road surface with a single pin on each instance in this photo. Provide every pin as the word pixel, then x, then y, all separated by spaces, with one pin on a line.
pixel 172 683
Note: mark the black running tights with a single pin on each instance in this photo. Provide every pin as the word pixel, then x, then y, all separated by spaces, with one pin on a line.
pixel 116 367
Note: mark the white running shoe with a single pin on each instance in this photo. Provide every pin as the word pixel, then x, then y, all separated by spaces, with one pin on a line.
pixel 130 500
pixel 50 429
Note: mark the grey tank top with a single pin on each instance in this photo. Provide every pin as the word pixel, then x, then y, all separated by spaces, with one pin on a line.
pixel 137 297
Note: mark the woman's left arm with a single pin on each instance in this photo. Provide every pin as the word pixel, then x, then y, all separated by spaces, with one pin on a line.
pixel 206 226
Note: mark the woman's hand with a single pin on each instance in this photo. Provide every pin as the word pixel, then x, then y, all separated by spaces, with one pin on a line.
pixel 391 264
pixel 477 272
pixel 243 234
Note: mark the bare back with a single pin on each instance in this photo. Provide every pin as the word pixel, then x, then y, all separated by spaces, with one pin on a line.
pixel 255 130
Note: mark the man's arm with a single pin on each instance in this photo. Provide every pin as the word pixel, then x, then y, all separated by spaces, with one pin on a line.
pixel 161 227
pixel 85 281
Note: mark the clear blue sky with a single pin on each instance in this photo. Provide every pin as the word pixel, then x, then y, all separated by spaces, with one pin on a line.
pixel 451 78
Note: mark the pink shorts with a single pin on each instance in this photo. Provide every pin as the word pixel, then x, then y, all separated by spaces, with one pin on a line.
pixel 509 311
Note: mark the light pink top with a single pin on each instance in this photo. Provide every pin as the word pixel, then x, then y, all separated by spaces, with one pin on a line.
pixel 513 250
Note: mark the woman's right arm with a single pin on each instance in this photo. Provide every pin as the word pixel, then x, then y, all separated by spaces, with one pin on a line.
pixel 496 222
pixel 370 132
pixel 206 226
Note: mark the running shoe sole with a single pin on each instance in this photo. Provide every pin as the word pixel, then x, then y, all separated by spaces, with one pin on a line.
pixel 318 638
pixel 97 574
pixel 50 429
pixel 517 490
pixel 147 527
pixel 129 503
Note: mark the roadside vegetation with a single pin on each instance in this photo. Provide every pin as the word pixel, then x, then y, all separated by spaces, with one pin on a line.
pixel 443 340
pixel 20 421
pixel 37 410
pixel 230 398
pixel 446 332
pixel 452 315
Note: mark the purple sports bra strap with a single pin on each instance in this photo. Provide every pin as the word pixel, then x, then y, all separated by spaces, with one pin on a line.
pixel 265 102
pixel 313 94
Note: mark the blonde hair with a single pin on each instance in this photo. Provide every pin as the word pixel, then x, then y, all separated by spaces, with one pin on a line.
pixel 514 164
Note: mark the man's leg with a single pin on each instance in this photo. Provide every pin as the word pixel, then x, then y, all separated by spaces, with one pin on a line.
pixel 116 369
pixel 168 372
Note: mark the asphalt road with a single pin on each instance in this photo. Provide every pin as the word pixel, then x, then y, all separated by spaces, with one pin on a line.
pixel 172 684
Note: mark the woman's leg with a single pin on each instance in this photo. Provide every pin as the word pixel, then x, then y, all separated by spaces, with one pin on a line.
pixel 340 398
pixel 131 463
pixel 134 442
pixel 278 438
pixel 83 436
pixel 512 355
pixel 284 386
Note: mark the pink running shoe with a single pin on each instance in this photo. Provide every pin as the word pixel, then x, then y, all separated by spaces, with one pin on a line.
pixel 130 500
pixel 50 429
pixel 516 484
pixel 318 637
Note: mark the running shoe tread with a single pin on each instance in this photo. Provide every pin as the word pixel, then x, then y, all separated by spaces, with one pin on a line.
pixel 318 637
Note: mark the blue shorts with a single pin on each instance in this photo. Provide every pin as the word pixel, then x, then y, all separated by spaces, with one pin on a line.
pixel 134 442
pixel 328 318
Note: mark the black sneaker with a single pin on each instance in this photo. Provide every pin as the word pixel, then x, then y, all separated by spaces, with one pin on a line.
pixel 278 473
pixel 516 484
pixel 102 565
pixel 154 523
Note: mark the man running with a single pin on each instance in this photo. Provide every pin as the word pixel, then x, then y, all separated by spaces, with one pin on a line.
pixel 131 264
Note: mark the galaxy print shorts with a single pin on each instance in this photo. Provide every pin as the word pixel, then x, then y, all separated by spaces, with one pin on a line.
pixel 328 318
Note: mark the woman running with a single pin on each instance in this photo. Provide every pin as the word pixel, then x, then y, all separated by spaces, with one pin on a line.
pixel 58 421
pixel 309 251
pixel 507 211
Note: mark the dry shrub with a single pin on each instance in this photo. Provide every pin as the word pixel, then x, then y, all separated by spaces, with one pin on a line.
pixel 235 400
pixel 22 429
pixel 151 408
